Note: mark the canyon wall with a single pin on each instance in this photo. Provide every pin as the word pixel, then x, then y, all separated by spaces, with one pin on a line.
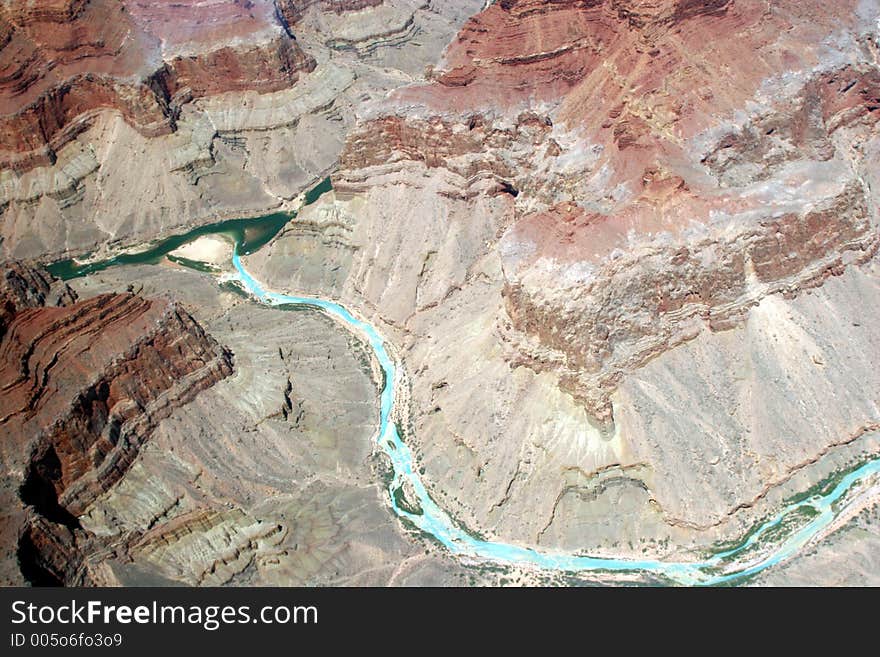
pixel 269 477
pixel 615 248
pixel 84 385
pixel 67 62
pixel 293 10
pixel 626 251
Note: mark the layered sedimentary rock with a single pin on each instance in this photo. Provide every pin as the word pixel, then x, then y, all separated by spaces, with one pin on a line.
pixel 644 171
pixel 293 10
pixel 642 301
pixel 586 196
pixel 625 251
pixel 65 62
pixel 84 386
pixel 24 286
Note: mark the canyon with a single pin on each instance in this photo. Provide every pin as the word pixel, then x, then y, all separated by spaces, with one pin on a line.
pixel 623 253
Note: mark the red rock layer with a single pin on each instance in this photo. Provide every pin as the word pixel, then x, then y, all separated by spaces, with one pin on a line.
pixel 292 11
pixel 259 68
pixel 440 143
pixel 62 62
pixel 83 386
pixel 634 74
pixel 27 287
pixel 640 297
pixel 643 303
pixel 35 11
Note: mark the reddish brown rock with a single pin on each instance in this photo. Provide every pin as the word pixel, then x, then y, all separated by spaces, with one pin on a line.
pixel 63 62
pixel 83 387
pixel 24 287
pixel 634 74
pixel 26 13
pixel 441 143
pixel 229 69
pixel 618 315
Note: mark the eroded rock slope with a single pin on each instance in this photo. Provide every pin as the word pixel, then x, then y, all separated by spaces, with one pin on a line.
pixel 84 386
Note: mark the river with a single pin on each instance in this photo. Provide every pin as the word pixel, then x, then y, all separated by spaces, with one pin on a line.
pixel 767 544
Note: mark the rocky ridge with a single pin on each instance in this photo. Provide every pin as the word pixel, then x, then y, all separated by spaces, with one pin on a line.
pixel 84 386
pixel 66 62
pixel 595 198
pixel 625 248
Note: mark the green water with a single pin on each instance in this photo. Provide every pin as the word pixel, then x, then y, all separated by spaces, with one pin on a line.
pixel 318 191
pixel 250 234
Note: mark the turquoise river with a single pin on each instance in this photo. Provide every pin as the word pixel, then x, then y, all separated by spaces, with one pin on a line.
pixel 772 541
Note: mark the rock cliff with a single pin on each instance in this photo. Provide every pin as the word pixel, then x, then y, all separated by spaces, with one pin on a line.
pixel 84 385
pixel 293 10
pixel 634 156
pixel 625 250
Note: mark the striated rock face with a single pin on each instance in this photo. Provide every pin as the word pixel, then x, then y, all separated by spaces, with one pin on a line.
pixel 262 69
pixel 642 300
pixel 267 478
pixel 66 61
pixel 84 385
pixel 476 150
pixel 648 83
pixel 25 287
pixel 625 250
pixel 293 10
pixel 372 29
